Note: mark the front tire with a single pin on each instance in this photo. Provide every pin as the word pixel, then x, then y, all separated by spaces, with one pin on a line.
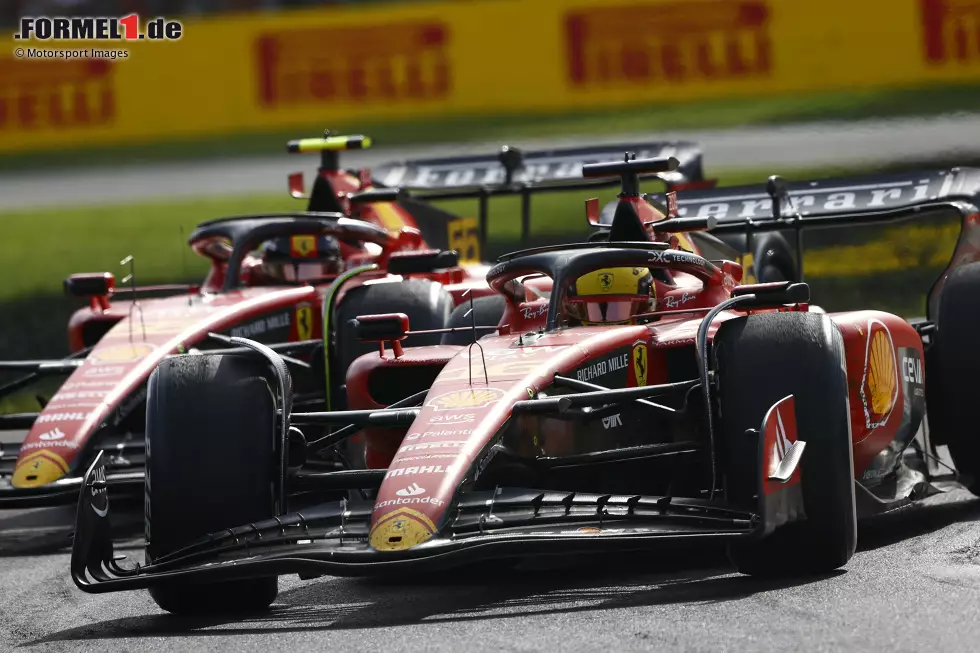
pixel 761 359
pixel 210 465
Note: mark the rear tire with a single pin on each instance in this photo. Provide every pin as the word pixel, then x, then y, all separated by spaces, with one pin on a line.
pixel 957 361
pixel 770 274
pixel 761 359
pixel 488 311
pixel 210 465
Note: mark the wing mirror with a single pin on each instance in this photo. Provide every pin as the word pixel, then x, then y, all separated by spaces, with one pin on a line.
pixel 421 261
pixel 773 294
pixel 382 328
pixel 95 285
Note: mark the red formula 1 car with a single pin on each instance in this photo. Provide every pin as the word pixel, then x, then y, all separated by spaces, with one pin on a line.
pixel 292 281
pixel 633 393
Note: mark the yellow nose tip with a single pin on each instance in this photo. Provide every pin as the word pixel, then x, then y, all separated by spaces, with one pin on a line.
pixel 401 529
pixel 39 468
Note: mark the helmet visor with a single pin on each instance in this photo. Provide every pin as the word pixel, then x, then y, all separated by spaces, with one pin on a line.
pixel 598 312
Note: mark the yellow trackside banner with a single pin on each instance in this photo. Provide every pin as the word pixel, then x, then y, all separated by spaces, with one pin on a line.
pixel 326 66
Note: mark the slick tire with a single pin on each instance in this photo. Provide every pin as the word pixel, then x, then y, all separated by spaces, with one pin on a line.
pixel 761 359
pixel 771 274
pixel 487 312
pixel 210 465
pixel 957 360
pixel 426 303
pixel 774 260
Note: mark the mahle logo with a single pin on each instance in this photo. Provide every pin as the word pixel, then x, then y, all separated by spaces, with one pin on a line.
pixel 104 28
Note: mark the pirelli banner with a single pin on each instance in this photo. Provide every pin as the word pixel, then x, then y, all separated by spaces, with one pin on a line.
pixel 252 73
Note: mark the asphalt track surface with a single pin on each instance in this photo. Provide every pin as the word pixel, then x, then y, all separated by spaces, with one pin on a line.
pixel 913 585
pixel 777 148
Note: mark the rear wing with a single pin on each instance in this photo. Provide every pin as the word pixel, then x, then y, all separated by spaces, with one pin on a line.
pixel 834 202
pixel 514 166
pixel 847 198
pixel 513 172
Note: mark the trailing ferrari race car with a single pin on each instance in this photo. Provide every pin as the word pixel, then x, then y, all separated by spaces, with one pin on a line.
pixel 292 281
pixel 633 393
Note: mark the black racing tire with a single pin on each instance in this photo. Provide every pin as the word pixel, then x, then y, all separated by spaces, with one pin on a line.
pixel 761 359
pixel 771 273
pixel 210 465
pixel 488 311
pixel 957 360
pixel 426 303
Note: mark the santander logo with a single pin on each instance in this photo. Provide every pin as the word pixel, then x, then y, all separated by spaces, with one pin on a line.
pixel 56 434
pixel 411 491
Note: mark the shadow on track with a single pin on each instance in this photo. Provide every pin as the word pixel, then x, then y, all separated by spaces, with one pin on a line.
pixel 917 519
pixel 695 575
pixel 487 592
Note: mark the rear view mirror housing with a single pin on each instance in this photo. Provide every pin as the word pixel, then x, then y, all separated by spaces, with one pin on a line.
pixel 96 286
pixel 381 328
pixel 773 294
pixel 422 261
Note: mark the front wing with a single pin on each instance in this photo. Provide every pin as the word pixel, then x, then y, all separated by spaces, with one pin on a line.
pixel 333 538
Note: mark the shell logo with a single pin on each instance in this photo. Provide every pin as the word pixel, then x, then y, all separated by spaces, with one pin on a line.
pixel 466 399
pixel 121 353
pixel 879 386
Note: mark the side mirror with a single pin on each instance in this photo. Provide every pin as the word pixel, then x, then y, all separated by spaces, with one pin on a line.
pixel 94 285
pixel 773 294
pixel 678 225
pixel 421 261
pixel 296 186
pixel 376 195
pixel 382 328
pixel 592 211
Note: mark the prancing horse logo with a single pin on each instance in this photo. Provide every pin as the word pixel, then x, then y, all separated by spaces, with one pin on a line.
pixel 605 280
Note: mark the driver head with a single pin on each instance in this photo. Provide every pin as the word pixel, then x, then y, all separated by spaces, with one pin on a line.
pixel 301 258
pixel 610 296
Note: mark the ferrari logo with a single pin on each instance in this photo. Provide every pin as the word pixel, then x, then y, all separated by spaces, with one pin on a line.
pixel 304 322
pixel 302 246
pixel 639 356
pixel 606 280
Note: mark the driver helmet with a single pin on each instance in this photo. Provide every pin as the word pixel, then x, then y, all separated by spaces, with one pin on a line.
pixel 301 258
pixel 610 296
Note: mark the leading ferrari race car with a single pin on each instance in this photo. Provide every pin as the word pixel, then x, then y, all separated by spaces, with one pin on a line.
pixel 292 281
pixel 632 394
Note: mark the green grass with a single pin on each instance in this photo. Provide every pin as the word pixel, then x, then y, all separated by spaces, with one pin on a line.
pixel 43 247
pixel 845 105
pixel 46 246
